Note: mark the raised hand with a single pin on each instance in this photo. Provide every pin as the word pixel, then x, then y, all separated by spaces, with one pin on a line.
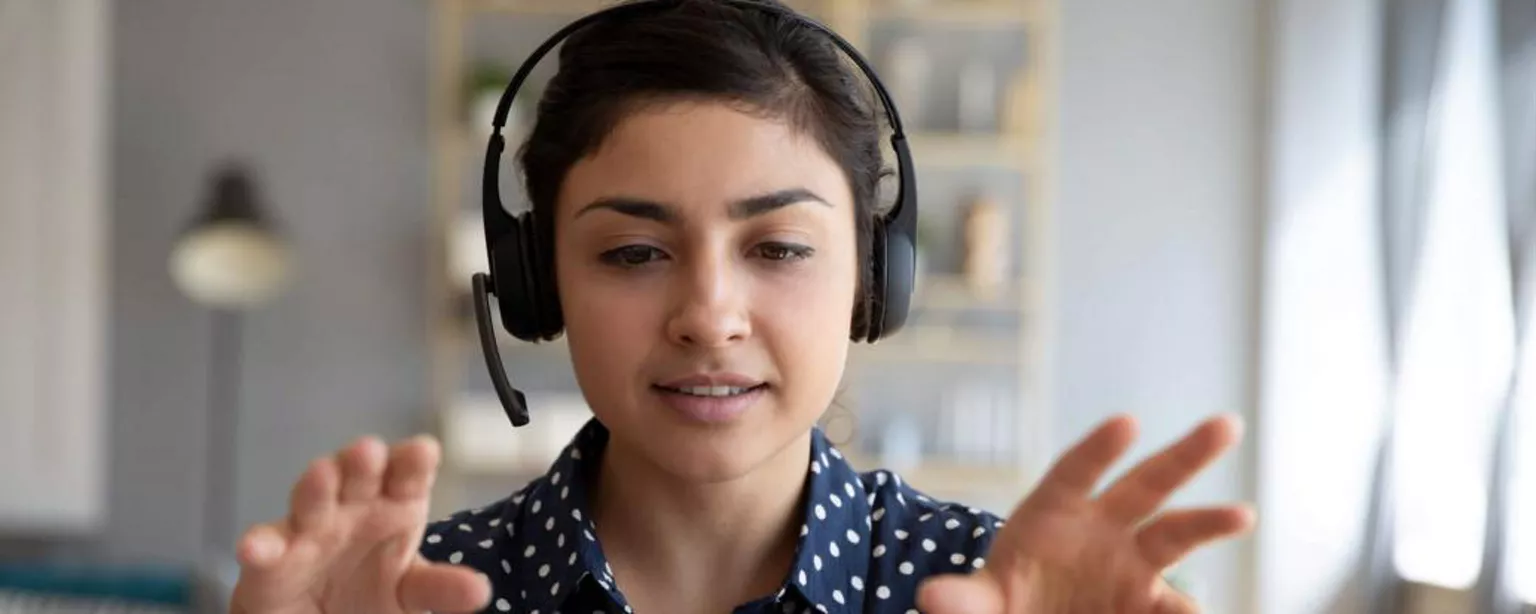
pixel 1064 550
pixel 349 542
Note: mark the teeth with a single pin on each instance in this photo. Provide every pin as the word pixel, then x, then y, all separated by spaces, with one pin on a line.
pixel 712 391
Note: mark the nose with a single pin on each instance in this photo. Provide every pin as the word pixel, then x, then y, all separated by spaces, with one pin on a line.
pixel 711 305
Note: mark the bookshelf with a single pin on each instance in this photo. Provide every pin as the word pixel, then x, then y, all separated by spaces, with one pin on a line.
pixel 1010 162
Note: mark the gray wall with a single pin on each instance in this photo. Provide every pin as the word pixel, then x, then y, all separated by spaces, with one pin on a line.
pixel 1158 208
pixel 328 101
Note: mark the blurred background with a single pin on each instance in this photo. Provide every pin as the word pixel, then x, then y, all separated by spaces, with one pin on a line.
pixel 235 236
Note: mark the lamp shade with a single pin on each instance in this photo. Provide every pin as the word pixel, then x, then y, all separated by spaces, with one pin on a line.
pixel 231 256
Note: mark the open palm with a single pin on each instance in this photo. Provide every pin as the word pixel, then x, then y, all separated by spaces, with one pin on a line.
pixel 1065 550
pixel 349 542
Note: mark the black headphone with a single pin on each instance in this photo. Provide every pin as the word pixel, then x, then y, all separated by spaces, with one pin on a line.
pixel 524 284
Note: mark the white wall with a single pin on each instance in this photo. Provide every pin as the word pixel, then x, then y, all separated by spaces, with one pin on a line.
pixel 1159 200
pixel 53 283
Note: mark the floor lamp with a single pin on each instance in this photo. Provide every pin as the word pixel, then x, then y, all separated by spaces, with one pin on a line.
pixel 231 259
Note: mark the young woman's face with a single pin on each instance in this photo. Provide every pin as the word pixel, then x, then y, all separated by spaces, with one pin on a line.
pixel 707 267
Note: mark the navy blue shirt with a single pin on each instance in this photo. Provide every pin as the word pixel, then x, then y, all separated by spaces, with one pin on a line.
pixel 866 541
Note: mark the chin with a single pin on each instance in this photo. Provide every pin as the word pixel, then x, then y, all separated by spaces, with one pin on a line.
pixel 712 450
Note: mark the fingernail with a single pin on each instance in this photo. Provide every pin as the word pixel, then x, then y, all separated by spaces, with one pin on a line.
pixel 265 547
pixel 1238 424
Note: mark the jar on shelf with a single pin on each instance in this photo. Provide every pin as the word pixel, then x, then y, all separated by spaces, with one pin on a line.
pixel 1021 112
pixel 985 263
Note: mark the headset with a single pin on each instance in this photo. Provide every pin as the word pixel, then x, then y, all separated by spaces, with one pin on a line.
pixel 524 284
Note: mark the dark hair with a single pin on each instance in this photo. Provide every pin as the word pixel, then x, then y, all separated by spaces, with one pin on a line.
pixel 764 62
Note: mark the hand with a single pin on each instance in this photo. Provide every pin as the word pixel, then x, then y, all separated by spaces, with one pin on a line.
pixel 349 542
pixel 1065 551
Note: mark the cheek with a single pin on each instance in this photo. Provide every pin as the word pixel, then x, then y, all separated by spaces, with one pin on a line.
pixel 609 326
pixel 806 325
pixel 813 307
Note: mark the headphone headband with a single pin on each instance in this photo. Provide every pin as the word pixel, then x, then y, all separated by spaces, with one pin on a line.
pixel 638 7
pixel 518 278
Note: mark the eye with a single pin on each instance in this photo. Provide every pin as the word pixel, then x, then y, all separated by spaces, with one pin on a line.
pixel 631 256
pixel 784 251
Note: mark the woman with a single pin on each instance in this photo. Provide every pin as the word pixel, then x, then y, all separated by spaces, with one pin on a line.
pixel 710 174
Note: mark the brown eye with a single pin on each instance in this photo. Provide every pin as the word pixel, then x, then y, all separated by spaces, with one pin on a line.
pixel 631 255
pixel 784 251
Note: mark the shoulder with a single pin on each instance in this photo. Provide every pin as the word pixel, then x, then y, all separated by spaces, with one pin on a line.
pixel 913 534
pixel 477 538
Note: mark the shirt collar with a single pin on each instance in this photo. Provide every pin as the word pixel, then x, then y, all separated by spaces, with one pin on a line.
pixel 560 550
pixel 559 543
pixel 832 559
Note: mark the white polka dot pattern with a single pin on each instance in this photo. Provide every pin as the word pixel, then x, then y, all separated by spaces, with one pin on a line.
pixel 858 531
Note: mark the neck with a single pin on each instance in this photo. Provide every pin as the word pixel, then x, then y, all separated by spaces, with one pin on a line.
pixel 732 541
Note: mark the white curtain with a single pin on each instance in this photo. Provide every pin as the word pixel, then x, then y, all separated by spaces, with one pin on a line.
pixel 1510 555
pixel 1456 216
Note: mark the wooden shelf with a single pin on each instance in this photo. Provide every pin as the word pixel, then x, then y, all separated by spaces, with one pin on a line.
pixel 962 13
pixel 964 150
pixel 967 13
pixel 938 345
pixel 947 292
pixel 942 478
pixel 554 8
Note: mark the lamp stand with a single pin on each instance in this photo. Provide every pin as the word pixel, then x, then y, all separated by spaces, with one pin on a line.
pixel 222 418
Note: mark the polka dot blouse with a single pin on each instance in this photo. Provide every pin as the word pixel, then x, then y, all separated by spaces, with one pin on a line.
pixel 866 541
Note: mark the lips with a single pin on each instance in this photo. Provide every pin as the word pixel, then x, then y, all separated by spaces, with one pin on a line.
pixel 710 391
pixel 712 384
pixel 711 398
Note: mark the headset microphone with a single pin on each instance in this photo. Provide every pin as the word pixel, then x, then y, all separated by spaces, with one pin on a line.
pixel 523 281
pixel 512 399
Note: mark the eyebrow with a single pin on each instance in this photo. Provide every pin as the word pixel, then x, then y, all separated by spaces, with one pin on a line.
pixel 751 206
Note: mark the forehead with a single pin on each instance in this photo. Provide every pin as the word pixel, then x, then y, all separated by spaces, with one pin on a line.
pixel 702 154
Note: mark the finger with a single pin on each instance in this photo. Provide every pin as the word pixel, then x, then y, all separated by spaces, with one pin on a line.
pixel 1144 489
pixel 265 576
pixel 313 498
pixel 1175 534
pixel 440 587
pixel 1076 472
pixel 261 547
pixel 412 468
pixel 362 465
pixel 960 594
pixel 1171 601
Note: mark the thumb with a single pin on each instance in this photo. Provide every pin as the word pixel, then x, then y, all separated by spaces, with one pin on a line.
pixel 1171 601
pixel 976 593
pixel 441 587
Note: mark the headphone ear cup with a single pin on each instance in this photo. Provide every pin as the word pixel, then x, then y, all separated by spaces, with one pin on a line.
pixel 869 323
pixel 541 273
pixel 514 293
